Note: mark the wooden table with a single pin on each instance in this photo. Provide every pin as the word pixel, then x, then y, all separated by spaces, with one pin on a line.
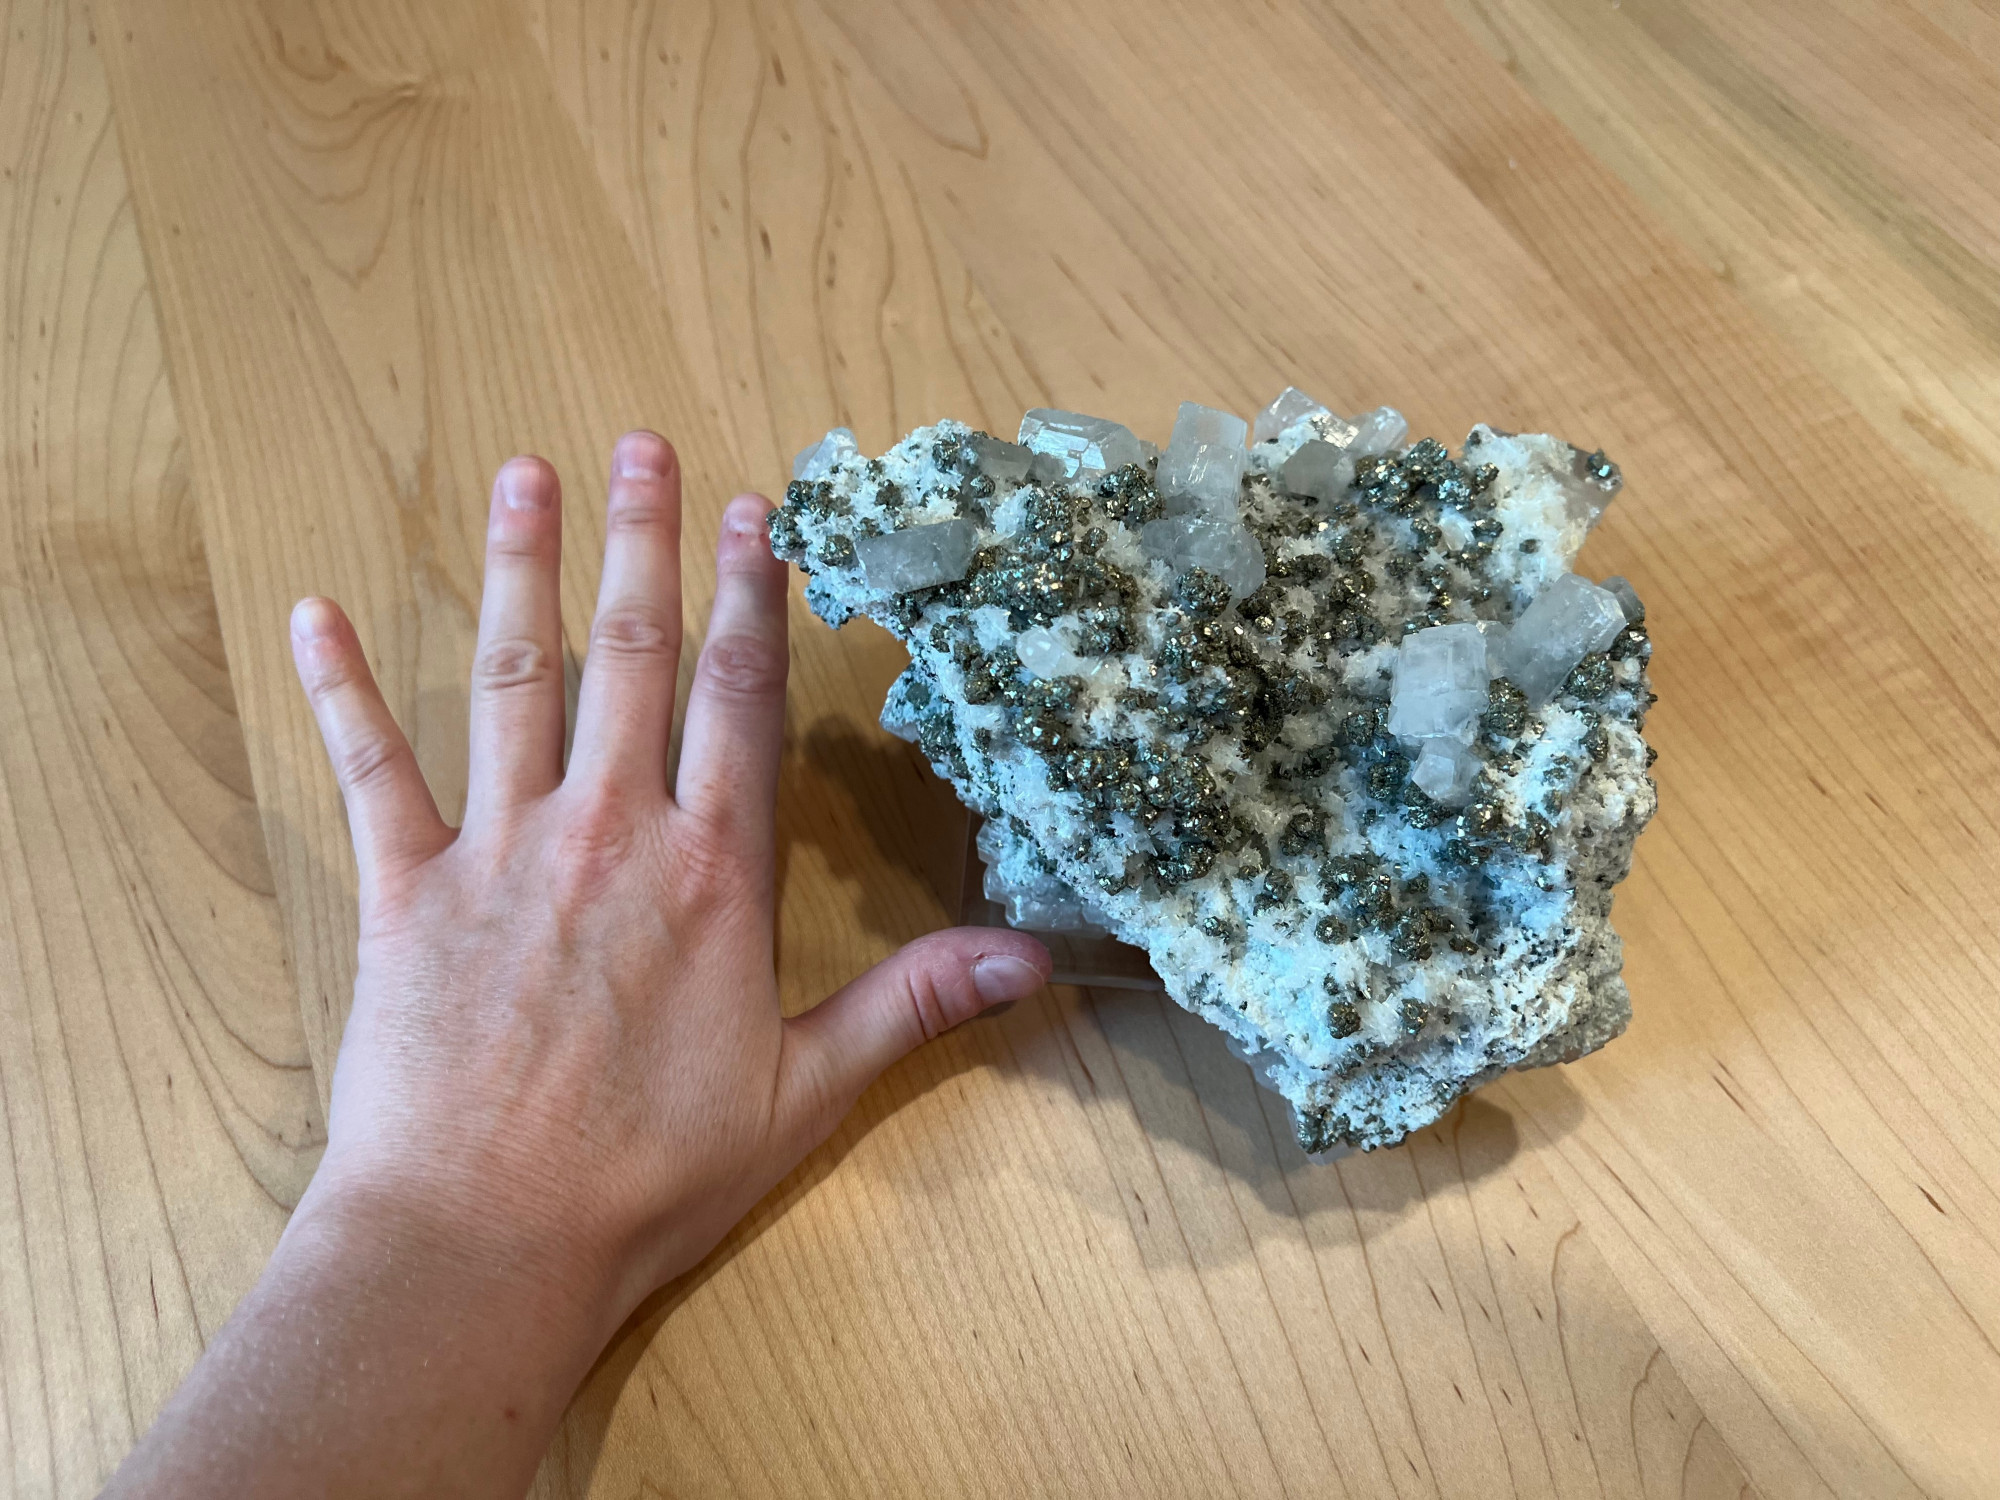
pixel 285 280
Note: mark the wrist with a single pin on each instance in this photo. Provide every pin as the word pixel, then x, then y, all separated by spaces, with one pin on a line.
pixel 458 1264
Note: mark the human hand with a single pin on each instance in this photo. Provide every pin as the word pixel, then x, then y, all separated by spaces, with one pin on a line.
pixel 565 1074
pixel 566 1016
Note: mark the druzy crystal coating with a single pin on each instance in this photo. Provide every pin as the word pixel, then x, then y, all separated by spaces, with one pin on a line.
pixel 1320 718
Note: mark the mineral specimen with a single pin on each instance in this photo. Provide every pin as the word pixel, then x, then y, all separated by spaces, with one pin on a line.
pixel 1322 721
pixel 917 557
pixel 819 459
pixel 1202 468
pixel 1082 447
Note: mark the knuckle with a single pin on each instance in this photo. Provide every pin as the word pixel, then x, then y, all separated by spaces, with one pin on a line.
pixel 744 666
pixel 634 631
pixel 500 665
pixel 707 865
pixel 640 508
pixel 332 675
pixel 514 540
pixel 365 758
pixel 595 841
pixel 930 1007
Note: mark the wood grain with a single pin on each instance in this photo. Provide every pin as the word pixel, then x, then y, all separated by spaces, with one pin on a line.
pixel 406 274
pixel 159 1113
pixel 1586 308
pixel 1828 164
pixel 1073 1250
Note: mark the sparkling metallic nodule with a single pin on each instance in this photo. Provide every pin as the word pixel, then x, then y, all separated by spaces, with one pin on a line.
pixel 1319 717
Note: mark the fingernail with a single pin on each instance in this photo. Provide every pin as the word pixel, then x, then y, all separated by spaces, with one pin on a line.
pixel 1001 977
pixel 641 455
pixel 745 515
pixel 524 486
pixel 313 619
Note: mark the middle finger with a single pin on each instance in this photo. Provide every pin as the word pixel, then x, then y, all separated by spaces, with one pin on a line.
pixel 625 707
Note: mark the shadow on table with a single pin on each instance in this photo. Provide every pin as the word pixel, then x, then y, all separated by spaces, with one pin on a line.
pixel 1157 1072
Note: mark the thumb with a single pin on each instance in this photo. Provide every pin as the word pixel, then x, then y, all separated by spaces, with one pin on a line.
pixel 835 1050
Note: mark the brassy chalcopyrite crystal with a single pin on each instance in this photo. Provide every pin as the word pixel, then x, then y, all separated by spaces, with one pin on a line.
pixel 1321 721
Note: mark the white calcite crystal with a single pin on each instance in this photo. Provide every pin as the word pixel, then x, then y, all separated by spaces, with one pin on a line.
pixel 1220 545
pixel 1379 431
pixel 817 460
pixel 917 557
pixel 1082 447
pixel 1319 470
pixel 1031 895
pixel 1345 745
pixel 1202 468
pixel 1567 621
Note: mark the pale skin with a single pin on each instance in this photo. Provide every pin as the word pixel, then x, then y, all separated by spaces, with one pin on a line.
pixel 565 1075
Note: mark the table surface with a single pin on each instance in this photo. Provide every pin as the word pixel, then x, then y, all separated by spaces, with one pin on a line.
pixel 284 280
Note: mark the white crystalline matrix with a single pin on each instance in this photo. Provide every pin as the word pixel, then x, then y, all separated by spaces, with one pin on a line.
pixel 1321 719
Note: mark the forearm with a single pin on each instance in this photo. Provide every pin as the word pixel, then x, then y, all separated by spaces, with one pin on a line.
pixel 383 1352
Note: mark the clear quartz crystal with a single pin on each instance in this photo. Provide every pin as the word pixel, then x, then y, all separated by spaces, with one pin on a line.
pixel 1199 540
pixel 1380 431
pixel 1620 588
pixel 917 557
pixel 1204 459
pixel 1568 620
pixel 1320 469
pixel 1001 461
pixel 1086 447
pixel 817 460
pixel 1439 686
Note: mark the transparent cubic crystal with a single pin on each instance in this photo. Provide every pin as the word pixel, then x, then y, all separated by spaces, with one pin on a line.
pixel 1445 770
pixel 1292 406
pixel 1627 596
pixel 1439 686
pixel 1086 447
pixel 1292 421
pixel 1380 431
pixel 817 460
pixel 918 557
pixel 1199 540
pixel 1320 469
pixel 1204 458
pixel 1000 461
pixel 1568 620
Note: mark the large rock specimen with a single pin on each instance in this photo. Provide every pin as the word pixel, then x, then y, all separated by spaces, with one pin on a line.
pixel 1322 722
